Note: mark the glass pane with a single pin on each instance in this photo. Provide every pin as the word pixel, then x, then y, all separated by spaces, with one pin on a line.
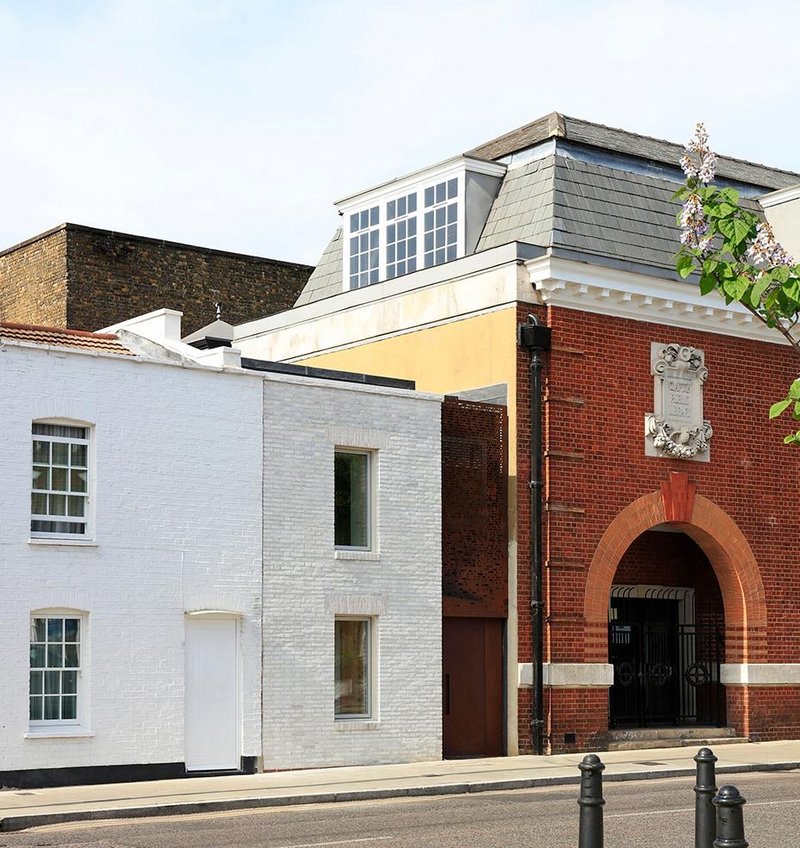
pixel 60 453
pixel 429 196
pixel 364 222
pixel 412 263
pixel 401 250
pixel 451 253
pixel 429 220
pixel 52 682
pixel 55 656
pixel 350 499
pixel 390 232
pixel 412 226
pixel 39 504
pixel 373 238
pixel 352 668
pixel 36 709
pixel 41 451
pixel 41 477
pixel 38 629
pixel 412 246
pixel 69 682
pixel 441 192
pixel 390 253
pixel 36 682
pixel 69 707
pixel 78 455
pixel 441 212
pixel 412 203
pixel 58 504
pixel 354 222
pixel 71 630
pixel 77 481
pixel 452 213
pixel 373 276
pixel 37 656
pixel 58 479
pixel 451 234
pixel 390 207
pixel 452 188
pixel 401 206
pixel 440 236
pixel 76 505
pixel 55 629
pixel 51 705
pixel 401 230
pixel 71 656
pixel 390 272
pixel 440 256
pixel 373 216
pixel 429 241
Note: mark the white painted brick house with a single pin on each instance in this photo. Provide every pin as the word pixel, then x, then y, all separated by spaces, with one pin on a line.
pixel 181 525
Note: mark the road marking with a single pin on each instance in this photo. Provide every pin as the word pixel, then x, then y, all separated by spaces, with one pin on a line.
pixel 690 809
pixel 338 842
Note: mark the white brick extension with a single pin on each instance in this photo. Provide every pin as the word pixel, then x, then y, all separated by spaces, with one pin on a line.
pixel 397 585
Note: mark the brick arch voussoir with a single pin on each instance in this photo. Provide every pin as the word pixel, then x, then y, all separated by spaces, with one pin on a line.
pixel 728 552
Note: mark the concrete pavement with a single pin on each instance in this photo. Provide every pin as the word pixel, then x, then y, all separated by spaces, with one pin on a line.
pixel 21 809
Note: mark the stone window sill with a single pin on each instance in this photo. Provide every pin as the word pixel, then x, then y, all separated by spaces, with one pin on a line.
pixel 60 733
pixel 363 556
pixel 71 543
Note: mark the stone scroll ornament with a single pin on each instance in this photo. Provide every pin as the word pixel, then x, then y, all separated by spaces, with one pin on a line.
pixel 677 428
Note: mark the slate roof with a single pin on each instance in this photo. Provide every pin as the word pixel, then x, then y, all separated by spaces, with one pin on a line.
pixel 326 279
pixel 597 190
pixel 59 337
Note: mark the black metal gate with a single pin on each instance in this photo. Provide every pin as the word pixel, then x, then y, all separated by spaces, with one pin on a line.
pixel 665 674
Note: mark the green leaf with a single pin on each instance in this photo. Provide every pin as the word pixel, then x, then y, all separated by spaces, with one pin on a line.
pixel 794 390
pixel 791 288
pixel 727 229
pixel 707 284
pixel 736 288
pixel 731 195
pixel 758 290
pixel 796 411
pixel 682 193
pixel 741 231
pixel 684 265
pixel 777 408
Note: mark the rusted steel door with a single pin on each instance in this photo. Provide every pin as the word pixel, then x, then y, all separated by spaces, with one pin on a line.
pixel 473 687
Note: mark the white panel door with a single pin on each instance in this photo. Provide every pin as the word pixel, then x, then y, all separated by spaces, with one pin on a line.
pixel 212 694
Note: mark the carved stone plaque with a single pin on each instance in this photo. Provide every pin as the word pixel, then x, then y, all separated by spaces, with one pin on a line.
pixel 677 428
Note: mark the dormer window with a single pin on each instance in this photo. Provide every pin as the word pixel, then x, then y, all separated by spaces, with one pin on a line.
pixel 364 247
pixel 418 221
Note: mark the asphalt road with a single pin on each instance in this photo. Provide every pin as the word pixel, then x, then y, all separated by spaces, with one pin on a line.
pixel 638 814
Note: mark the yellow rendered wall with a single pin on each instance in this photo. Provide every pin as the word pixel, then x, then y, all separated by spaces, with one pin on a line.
pixel 465 354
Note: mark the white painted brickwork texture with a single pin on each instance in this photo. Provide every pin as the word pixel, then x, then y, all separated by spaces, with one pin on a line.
pixel 305 585
pixel 178 524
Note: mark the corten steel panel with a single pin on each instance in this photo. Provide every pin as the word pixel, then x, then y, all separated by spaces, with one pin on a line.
pixel 474 509
pixel 473 687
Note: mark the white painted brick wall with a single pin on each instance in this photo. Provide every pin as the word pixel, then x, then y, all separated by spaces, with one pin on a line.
pixel 178 497
pixel 305 585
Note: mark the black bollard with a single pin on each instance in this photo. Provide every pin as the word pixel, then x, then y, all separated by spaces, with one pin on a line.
pixel 590 830
pixel 705 824
pixel 730 822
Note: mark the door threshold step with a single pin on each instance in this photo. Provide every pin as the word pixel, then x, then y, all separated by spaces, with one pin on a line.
pixel 675 742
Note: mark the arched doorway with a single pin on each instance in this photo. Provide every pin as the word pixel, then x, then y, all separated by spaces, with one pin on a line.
pixel 677 507
pixel 665 635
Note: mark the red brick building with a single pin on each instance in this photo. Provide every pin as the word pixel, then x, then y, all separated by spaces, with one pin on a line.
pixel 668 592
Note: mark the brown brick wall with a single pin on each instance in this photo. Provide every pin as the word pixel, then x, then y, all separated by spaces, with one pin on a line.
pixel 111 277
pixel 33 282
pixel 474 509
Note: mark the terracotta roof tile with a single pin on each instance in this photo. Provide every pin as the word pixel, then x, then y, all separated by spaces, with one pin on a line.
pixel 59 337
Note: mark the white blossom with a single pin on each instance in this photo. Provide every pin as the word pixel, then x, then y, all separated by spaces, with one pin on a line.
pixel 694 225
pixel 765 250
pixel 699 162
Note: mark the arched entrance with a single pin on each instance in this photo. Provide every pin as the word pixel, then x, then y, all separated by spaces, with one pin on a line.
pixel 678 507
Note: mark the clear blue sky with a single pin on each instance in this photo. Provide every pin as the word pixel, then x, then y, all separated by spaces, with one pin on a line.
pixel 236 123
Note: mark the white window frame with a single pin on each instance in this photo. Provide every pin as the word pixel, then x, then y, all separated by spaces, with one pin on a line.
pixel 70 725
pixel 456 168
pixel 371 500
pixel 88 496
pixel 372 668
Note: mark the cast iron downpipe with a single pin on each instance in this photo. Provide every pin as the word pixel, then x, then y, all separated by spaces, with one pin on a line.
pixel 536 339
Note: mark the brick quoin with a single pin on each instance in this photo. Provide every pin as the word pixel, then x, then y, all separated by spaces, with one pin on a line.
pixel 603 496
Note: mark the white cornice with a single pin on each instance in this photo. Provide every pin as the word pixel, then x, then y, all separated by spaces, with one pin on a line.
pixel 624 294
pixel 782 195
pixel 455 165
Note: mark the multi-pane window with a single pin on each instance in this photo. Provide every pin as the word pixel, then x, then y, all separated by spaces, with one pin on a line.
pixel 351 526
pixel 60 492
pixel 401 235
pixel 441 222
pixel 364 247
pixel 353 668
pixel 55 666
